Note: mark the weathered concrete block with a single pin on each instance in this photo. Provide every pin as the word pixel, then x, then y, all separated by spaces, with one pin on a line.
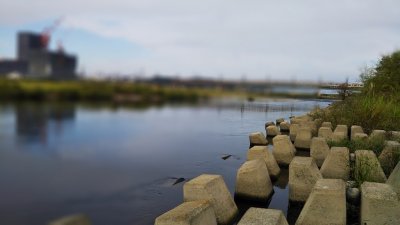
pixel 326 204
pixel 189 213
pixel 368 167
pixel 360 136
pixel 212 188
pixel 257 138
pixel 261 216
pixel 355 130
pixel 294 128
pixel 272 131
pixel 269 123
pixel 325 132
pixel 253 182
pixel 378 134
pixel 283 150
pixel 337 164
pixel 284 126
pixel 262 152
pixel 342 128
pixel 395 134
pixel 319 150
pixel 379 204
pixel 303 138
pixel 327 124
pixel 77 219
pixel 388 157
pixel 303 174
pixel 394 179
pixel 279 120
pixel 338 136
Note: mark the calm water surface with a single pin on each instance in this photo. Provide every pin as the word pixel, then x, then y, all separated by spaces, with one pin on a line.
pixel 119 165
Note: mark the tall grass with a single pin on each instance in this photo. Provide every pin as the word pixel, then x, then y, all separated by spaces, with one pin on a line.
pixel 93 90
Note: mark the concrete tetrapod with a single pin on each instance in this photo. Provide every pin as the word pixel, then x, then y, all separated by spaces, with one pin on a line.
pixel 189 213
pixel 327 124
pixel 337 164
pixel 253 182
pixel 303 174
pixel 338 136
pixel 394 179
pixel 342 128
pixel 257 138
pixel 262 152
pixel 261 216
pixel 283 150
pixel 294 128
pixel 325 132
pixel 368 167
pixel 326 204
pixel 77 219
pixel 355 130
pixel 303 138
pixel 319 150
pixel 284 126
pixel 388 157
pixel 212 188
pixel 272 131
pixel 379 204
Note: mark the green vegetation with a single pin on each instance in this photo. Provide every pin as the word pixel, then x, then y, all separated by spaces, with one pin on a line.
pixel 378 104
pixel 94 91
pixel 375 144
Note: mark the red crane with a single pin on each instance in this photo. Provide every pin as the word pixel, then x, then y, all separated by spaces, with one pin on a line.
pixel 45 35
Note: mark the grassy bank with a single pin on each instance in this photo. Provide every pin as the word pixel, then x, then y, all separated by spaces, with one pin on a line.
pixel 94 90
pixel 378 104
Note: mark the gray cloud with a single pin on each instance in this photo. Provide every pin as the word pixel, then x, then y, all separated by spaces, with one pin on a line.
pixel 311 39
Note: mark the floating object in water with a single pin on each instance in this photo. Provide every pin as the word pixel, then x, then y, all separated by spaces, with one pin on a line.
pixel 225 157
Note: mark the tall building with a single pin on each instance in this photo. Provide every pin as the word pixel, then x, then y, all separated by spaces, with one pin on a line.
pixel 34 60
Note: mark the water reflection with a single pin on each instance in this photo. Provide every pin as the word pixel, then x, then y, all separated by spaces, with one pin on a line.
pixel 35 122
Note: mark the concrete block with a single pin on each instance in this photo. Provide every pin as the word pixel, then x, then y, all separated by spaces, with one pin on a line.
pixel 303 174
pixel 272 131
pixel 379 204
pixel 294 128
pixel 280 120
pixel 327 124
pixel 212 188
pixel 76 219
pixel 261 216
pixel 326 204
pixel 262 152
pixel 284 126
pixel 394 179
pixel 189 213
pixel 395 134
pixel 269 123
pixel 389 155
pixel 338 136
pixel 283 150
pixel 360 136
pixel 325 132
pixel 257 138
pixel 378 134
pixel 319 150
pixel 337 164
pixel 303 138
pixel 253 182
pixel 355 130
pixel 368 167
pixel 342 128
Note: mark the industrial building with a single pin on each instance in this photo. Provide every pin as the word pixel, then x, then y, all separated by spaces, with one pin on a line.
pixel 34 60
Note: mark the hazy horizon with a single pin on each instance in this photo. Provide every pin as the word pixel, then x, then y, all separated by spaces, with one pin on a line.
pixel 259 40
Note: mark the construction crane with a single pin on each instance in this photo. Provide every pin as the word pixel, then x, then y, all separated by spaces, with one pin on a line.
pixel 45 35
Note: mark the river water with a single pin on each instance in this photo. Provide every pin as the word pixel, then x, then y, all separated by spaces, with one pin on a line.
pixel 119 165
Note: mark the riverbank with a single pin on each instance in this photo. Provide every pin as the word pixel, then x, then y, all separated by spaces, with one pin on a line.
pixel 123 92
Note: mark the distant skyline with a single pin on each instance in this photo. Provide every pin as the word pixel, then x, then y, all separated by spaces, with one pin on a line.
pixel 258 39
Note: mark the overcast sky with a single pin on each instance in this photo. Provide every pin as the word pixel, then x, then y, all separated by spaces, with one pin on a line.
pixel 312 39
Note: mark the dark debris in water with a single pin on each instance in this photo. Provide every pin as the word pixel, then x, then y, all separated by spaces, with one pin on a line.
pixel 227 156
